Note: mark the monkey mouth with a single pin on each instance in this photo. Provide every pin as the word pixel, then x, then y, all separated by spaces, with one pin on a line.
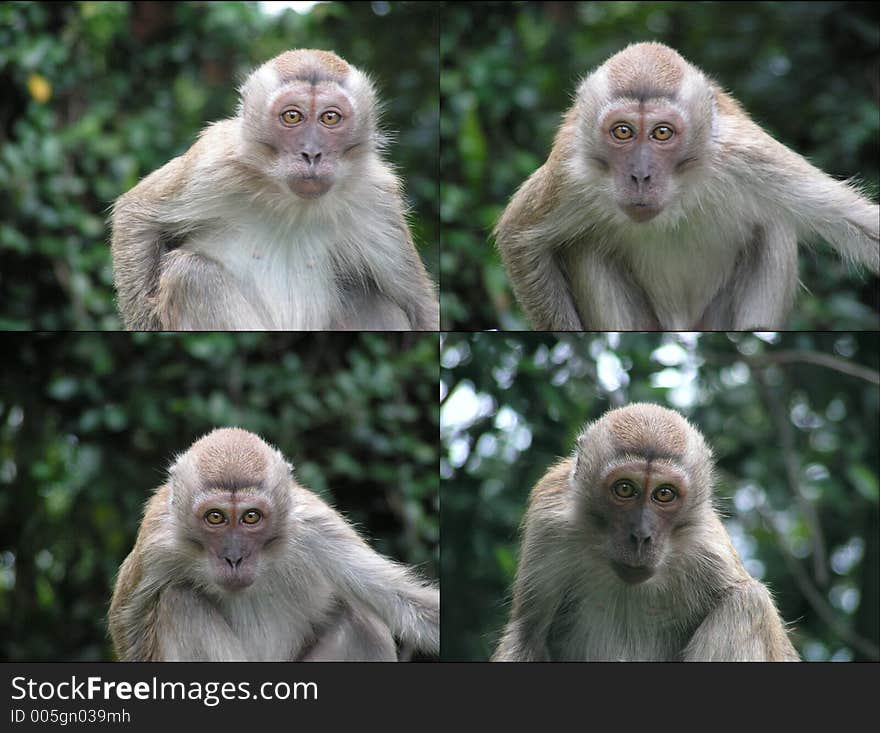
pixel 640 211
pixel 234 584
pixel 632 574
pixel 310 187
pixel 235 581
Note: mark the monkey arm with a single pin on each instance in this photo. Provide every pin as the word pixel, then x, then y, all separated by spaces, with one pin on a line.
pixel 164 208
pixel 405 302
pixel 543 572
pixel 537 594
pixel 409 607
pixel 608 296
pixel 195 293
pixel 415 291
pixel 189 628
pixel 398 295
pixel 525 239
pixel 761 289
pixel 137 246
pixel 352 635
pixel 744 626
pixel 809 198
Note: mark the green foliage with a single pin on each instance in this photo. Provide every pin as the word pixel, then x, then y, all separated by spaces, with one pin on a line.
pixel 89 422
pixel 508 71
pixel 97 95
pixel 513 403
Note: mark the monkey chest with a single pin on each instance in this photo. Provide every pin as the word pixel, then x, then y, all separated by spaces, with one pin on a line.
pixel 680 273
pixel 607 629
pixel 287 277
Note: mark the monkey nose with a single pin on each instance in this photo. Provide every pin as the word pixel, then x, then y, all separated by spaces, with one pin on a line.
pixel 639 541
pixel 233 561
pixel 312 159
pixel 640 181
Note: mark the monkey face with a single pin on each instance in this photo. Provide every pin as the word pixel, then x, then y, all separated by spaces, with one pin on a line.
pixel 644 146
pixel 312 128
pixel 232 529
pixel 637 508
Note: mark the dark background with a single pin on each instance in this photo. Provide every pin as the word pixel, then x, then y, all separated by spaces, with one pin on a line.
pixel 89 423
pixel 793 420
pixel 94 96
pixel 809 72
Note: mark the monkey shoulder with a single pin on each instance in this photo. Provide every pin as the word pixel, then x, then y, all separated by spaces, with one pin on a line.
pixel 532 203
pixel 552 489
pixel 748 597
pixel 162 185
pixel 214 148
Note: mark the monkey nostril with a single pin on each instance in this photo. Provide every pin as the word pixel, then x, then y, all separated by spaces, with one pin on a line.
pixel 233 562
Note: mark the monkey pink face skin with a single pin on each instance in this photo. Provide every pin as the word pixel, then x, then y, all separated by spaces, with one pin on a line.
pixel 639 504
pixel 313 127
pixel 643 146
pixel 233 528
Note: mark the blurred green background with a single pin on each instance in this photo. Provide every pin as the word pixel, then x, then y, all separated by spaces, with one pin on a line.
pixel 95 95
pixel 793 419
pixel 90 422
pixel 807 71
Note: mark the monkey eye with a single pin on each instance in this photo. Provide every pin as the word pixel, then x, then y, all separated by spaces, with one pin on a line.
pixel 214 517
pixel 331 118
pixel 624 489
pixel 251 516
pixel 622 132
pixel 664 494
pixel 291 117
pixel 662 133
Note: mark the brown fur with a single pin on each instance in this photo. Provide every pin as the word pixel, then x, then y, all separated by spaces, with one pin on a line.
pixel 651 427
pixel 630 68
pixel 303 63
pixel 552 485
pixel 231 455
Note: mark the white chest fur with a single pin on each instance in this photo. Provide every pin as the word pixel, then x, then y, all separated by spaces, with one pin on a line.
pixel 286 272
pixel 612 623
pixel 682 270
pixel 273 624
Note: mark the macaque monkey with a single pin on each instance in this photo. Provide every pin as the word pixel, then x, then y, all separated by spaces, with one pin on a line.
pixel 235 560
pixel 663 206
pixel 283 217
pixel 624 557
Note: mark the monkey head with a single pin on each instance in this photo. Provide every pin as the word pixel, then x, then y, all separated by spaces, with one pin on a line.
pixel 646 118
pixel 643 473
pixel 232 495
pixel 309 114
